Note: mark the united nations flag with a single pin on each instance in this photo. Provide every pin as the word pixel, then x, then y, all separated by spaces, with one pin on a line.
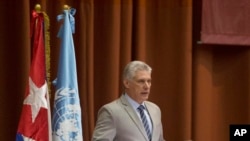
pixel 66 120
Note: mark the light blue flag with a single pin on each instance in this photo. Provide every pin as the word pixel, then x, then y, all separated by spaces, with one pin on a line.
pixel 66 121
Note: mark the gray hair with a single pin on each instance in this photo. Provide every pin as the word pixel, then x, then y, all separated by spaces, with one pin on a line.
pixel 134 66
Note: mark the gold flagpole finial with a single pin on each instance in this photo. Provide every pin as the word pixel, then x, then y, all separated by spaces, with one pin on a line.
pixel 38 8
pixel 66 7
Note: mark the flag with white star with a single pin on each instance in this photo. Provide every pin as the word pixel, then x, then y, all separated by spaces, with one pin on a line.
pixel 66 119
pixel 35 120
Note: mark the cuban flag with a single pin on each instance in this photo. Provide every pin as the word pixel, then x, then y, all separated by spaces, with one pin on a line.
pixel 66 119
pixel 34 124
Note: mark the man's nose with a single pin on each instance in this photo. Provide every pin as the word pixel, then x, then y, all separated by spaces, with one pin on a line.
pixel 147 85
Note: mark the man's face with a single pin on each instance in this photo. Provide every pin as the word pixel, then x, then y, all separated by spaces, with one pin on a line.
pixel 138 88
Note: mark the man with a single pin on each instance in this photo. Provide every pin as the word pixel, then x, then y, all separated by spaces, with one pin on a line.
pixel 121 120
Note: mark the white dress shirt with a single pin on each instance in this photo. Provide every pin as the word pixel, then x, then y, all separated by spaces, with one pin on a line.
pixel 135 105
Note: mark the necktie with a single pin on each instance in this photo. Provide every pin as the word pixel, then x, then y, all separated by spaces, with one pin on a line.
pixel 144 120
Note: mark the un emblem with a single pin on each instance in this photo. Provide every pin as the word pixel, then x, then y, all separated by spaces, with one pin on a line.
pixel 67 116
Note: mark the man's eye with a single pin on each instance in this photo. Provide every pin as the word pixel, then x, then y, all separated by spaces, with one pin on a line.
pixel 141 81
pixel 144 81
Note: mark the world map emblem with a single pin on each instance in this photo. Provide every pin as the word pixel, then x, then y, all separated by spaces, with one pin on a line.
pixel 67 116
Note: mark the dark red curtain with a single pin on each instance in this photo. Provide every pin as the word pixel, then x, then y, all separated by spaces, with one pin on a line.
pixel 200 88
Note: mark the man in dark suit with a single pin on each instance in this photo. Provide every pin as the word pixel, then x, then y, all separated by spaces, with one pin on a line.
pixel 122 119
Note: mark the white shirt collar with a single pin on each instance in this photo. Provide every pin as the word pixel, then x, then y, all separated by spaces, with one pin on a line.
pixel 133 103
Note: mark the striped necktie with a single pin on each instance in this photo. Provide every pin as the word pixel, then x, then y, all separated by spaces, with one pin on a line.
pixel 144 120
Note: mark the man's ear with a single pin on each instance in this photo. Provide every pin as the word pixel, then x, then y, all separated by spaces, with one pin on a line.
pixel 126 83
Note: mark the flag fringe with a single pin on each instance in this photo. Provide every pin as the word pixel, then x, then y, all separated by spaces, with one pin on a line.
pixel 47 50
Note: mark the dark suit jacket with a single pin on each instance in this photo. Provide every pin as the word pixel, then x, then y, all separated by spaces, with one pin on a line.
pixel 117 121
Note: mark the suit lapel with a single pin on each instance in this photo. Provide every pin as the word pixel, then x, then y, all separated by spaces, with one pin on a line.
pixel 152 117
pixel 133 115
